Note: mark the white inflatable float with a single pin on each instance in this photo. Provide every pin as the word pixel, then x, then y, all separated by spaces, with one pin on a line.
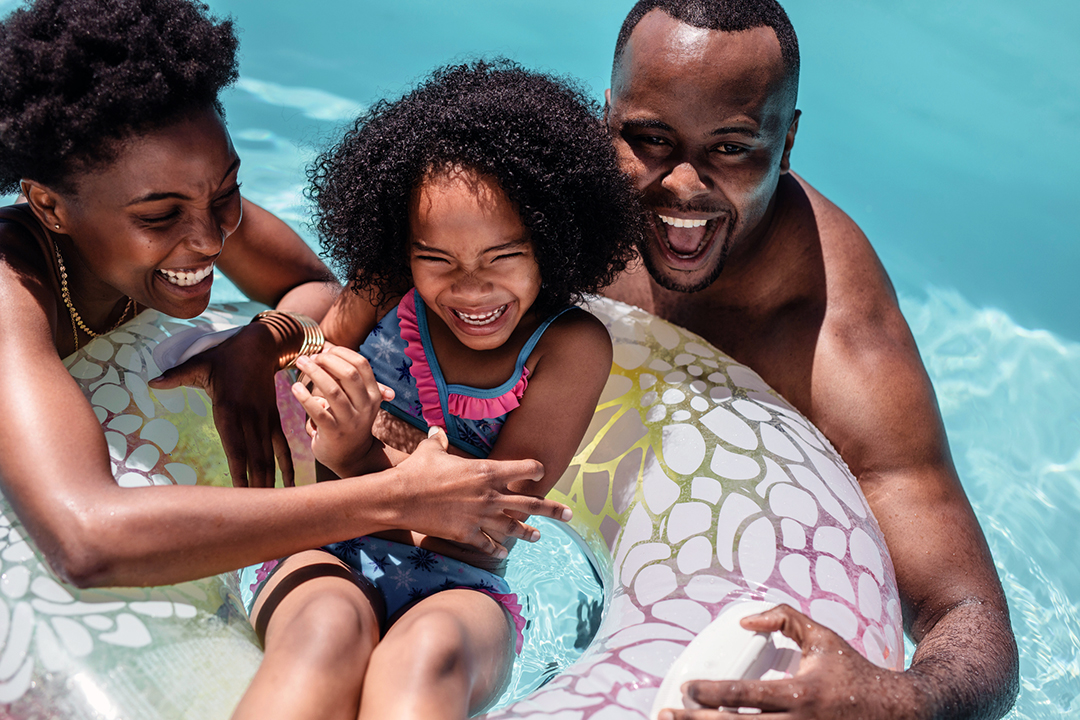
pixel 700 494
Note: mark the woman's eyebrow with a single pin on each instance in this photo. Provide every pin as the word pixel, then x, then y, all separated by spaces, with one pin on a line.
pixel 151 197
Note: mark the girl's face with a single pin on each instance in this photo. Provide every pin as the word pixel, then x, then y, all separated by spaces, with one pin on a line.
pixel 151 224
pixel 472 259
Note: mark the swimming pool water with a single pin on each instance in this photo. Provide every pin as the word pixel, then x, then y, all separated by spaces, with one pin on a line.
pixel 562 600
pixel 947 131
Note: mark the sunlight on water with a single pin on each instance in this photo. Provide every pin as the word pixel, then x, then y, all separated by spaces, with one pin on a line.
pixel 1011 402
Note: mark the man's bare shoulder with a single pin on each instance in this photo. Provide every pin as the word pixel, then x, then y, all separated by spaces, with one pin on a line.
pixel 870 392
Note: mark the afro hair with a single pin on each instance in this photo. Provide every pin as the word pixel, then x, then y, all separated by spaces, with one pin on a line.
pixel 77 76
pixel 536 135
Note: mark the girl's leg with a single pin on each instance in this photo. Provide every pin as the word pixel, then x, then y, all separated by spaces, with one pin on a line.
pixel 321 622
pixel 445 657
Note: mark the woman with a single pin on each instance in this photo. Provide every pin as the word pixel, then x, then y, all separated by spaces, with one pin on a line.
pixel 111 128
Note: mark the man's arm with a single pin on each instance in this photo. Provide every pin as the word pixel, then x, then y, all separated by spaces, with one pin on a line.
pixel 869 393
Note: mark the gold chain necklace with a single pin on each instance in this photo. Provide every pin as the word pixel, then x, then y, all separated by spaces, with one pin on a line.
pixel 76 319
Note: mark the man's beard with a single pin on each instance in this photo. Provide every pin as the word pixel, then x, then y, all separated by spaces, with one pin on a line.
pixel 666 281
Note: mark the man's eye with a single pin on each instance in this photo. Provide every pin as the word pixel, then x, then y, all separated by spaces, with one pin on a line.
pixel 651 140
pixel 509 255
pixel 729 149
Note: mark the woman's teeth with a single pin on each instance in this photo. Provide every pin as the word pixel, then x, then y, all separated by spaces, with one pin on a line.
pixel 185 278
pixel 482 319
pixel 681 222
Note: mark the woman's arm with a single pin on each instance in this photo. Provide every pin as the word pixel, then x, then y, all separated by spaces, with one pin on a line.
pixel 271 264
pixel 55 471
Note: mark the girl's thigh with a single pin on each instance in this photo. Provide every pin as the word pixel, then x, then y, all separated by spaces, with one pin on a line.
pixel 447 656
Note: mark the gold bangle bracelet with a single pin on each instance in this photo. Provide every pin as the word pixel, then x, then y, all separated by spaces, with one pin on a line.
pixel 290 325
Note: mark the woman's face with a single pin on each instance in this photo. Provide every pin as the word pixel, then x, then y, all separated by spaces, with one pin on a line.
pixel 151 224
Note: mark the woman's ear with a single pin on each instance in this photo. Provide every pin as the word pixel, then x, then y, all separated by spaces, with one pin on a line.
pixel 45 203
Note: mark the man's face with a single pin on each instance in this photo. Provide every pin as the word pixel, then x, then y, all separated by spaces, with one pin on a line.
pixel 702 121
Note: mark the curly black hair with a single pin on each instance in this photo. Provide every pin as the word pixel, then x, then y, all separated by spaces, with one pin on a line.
pixel 77 76
pixel 538 136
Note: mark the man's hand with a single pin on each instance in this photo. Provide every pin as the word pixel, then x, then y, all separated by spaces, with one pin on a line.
pixel 238 375
pixel 468 501
pixel 833 681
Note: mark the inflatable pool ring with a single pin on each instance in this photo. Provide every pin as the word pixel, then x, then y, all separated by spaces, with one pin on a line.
pixel 699 493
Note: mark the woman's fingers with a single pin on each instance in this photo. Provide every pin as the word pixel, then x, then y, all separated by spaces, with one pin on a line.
pixel 283 453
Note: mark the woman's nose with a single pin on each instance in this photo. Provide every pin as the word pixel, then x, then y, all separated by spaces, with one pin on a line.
pixel 684 182
pixel 207 236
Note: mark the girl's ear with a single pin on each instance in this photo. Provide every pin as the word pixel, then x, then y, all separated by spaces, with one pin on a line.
pixel 46 204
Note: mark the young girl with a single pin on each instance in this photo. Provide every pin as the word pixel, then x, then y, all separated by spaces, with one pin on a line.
pixel 469 215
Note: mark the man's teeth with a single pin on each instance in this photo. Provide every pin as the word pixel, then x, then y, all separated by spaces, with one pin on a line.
pixel 482 319
pixel 681 222
pixel 185 278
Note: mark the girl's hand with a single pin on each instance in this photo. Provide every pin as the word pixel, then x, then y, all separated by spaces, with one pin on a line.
pixel 468 501
pixel 238 375
pixel 341 407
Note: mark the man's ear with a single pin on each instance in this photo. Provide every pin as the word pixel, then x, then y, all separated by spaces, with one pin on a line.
pixel 46 204
pixel 789 142
pixel 607 104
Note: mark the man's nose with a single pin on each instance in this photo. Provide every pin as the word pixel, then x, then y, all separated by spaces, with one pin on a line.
pixel 684 182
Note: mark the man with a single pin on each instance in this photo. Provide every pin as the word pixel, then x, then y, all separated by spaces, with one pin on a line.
pixel 747 254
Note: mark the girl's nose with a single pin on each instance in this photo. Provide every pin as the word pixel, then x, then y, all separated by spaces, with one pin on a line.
pixel 471 283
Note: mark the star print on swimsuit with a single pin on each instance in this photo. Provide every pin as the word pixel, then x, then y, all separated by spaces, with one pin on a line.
pixel 404 578
pixel 423 559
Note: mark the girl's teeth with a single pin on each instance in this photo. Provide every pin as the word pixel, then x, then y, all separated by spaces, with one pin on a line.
pixel 680 222
pixel 484 319
pixel 185 278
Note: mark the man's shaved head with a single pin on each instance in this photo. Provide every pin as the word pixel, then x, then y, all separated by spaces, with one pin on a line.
pixel 725 15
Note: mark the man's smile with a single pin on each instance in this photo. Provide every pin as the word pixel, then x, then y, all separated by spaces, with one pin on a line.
pixel 686 239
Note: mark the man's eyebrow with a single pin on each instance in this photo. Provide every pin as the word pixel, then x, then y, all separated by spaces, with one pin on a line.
pixel 736 130
pixel 151 197
pixel 647 125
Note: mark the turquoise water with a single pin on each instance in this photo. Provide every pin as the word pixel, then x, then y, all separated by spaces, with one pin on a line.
pixel 947 131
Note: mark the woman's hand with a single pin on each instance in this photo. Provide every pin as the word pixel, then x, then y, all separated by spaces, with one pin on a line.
pixel 238 375
pixel 468 501
pixel 341 406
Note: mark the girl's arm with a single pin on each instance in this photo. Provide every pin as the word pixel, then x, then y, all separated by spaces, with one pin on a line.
pixel 55 472
pixel 271 264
